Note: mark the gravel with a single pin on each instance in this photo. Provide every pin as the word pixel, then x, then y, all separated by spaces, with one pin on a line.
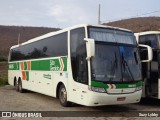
pixel 10 100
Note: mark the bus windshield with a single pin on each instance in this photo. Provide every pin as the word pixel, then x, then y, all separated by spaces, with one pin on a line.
pixel 110 35
pixel 115 62
pixel 150 40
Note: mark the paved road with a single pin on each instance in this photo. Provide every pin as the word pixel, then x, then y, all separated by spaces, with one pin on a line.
pixel 10 100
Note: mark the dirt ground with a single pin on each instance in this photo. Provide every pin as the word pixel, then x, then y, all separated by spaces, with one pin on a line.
pixel 10 100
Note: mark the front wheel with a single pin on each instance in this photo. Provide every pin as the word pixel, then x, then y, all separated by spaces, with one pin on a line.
pixel 63 96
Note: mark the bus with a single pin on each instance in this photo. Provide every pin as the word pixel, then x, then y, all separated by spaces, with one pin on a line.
pixel 151 70
pixel 91 65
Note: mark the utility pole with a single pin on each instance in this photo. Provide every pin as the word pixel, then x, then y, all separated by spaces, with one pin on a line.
pixel 99 14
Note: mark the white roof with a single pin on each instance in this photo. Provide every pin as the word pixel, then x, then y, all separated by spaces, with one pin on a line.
pixel 64 30
pixel 148 32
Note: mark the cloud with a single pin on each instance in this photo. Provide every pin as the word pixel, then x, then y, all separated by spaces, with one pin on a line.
pixel 64 13
pixel 51 13
pixel 70 12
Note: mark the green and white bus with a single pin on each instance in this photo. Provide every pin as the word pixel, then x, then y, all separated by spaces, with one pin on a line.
pixel 151 70
pixel 91 65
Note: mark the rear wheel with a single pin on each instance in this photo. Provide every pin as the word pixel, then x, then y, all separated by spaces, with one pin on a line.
pixel 16 85
pixel 20 86
pixel 63 96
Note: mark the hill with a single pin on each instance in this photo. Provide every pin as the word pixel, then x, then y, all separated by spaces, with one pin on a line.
pixel 9 36
pixel 138 24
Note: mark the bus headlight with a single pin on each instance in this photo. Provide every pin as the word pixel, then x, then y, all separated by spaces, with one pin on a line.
pixel 138 88
pixel 97 89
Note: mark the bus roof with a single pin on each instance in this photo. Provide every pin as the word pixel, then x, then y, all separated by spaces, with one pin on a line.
pixel 147 33
pixel 64 30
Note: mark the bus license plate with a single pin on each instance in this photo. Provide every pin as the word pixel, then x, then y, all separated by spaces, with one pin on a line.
pixel 121 98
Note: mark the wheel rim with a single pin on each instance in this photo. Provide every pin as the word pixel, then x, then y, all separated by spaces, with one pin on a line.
pixel 63 95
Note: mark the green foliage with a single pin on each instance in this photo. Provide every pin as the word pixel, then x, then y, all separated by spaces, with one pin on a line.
pixel 2 59
pixel 3 79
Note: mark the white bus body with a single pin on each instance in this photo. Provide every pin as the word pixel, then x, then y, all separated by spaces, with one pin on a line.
pixel 91 65
pixel 151 70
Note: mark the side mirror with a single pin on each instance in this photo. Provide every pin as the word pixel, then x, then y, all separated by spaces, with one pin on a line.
pixel 90 44
pixel 149 52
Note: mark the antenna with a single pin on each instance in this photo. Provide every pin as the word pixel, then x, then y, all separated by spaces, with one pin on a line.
pixel 19 36
pixel 99 14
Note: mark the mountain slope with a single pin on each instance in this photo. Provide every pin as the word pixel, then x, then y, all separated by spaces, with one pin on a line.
pixel 138 24
pixel 9 35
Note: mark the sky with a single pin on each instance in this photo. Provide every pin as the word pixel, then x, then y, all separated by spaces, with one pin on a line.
pixel 65 13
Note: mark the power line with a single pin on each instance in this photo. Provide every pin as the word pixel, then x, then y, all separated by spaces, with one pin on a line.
pixel 149 13
pixel 132 16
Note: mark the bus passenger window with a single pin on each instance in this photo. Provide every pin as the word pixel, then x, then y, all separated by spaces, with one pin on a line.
pixel 78 56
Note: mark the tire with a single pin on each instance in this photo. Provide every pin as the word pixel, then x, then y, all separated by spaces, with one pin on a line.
pixel 20 86
pixel 16 86
pixel 63 96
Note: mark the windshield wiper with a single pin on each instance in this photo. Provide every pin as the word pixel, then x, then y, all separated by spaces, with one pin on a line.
pixel 125 64
pixel 113 70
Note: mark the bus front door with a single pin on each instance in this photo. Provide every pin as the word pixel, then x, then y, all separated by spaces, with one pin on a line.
pixel 154 75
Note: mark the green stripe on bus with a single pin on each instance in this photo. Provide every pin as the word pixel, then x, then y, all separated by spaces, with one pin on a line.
pixel 27 75
pixel 43 65
pixel 118 86
pixel 13 66
pixel 40 65
pixel 65 63
pixel 98 84
pixel 25 66
pixel 49 65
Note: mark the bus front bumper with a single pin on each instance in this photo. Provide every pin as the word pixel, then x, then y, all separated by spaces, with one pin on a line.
pixel 99 99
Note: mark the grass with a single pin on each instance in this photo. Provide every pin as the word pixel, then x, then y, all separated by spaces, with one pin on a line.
pixel 3 79
pixel 2 59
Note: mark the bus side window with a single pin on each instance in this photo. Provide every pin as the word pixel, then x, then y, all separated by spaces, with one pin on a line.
pixel 78 56
pixel 82 64
pixel 53 46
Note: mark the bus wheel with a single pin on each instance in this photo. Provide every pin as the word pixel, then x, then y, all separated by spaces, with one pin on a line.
pixel 16 85
pixel 20 86
pixel 63 96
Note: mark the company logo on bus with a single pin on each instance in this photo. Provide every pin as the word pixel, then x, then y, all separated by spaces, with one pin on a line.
pixel 53 66
pixel 11 66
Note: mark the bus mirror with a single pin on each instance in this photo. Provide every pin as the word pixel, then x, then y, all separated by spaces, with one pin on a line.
pixel 148 52
pixel 90 44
